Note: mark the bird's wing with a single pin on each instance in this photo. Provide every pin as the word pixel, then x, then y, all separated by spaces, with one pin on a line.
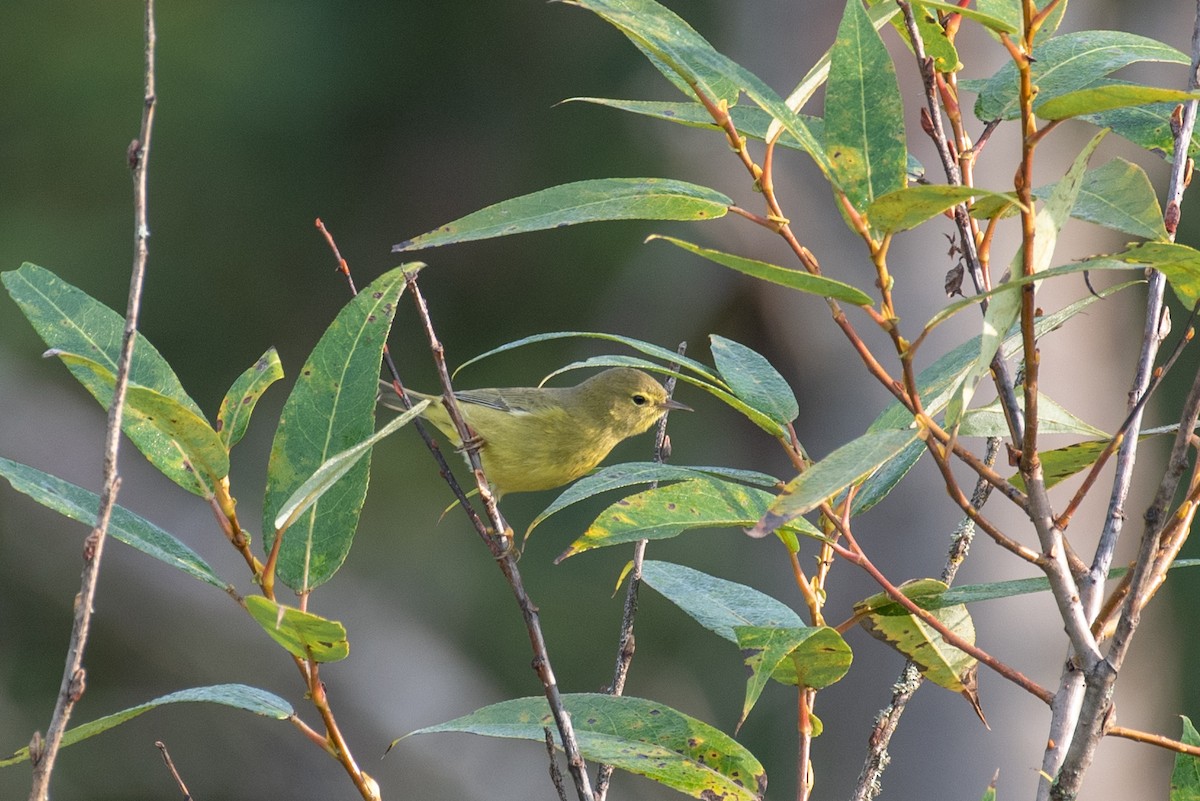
pixel 485 397
pixel 514 400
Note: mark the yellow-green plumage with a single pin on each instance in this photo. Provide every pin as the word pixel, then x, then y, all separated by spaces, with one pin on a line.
pixel 537 438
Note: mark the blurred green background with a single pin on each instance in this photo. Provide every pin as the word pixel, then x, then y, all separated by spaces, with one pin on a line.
pixel 386 120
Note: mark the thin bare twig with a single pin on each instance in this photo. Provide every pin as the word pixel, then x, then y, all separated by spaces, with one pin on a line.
pixel 909 681
pixel 162 748
pixel 74 675
pixel 499 541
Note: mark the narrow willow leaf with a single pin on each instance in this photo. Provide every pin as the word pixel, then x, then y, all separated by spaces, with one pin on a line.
pixel 973 593
pixel 674 47
pixel 302 634
pixel 628 474
pixel 1008 287
pixel 1053 418
pixel 1118 195
pixel 243 395
pixel 1096 99
pixel 177 441
pixel 655 30
pixel 632 734
pixel 1060 464
pixel 718 605
pixel 754 380
pixel 910 206
pixel 846 466
pixel 238 696
pixel 669 511
pixel 1179 263
pixel 579 202
pixel 1148 127
pixel 880 483
pixel 81 505
pixel 332 470
pixel 819 656
pixel 989 21
pixel 331 409
pixel 1005 307
pixel 1185 776
pixel 1068 63
pixel 650 349
pixel 864 116
pixel 937 661
pixel 793 279
pixel 753 415
pixel 67 319
pixel 751 121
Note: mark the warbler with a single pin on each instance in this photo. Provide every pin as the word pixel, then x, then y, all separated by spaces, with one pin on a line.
pixel 537 438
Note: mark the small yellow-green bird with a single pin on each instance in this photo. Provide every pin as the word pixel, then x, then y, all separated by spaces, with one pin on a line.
pixel 537 438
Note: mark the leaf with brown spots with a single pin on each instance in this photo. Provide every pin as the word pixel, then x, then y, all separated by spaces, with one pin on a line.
pixel 632 734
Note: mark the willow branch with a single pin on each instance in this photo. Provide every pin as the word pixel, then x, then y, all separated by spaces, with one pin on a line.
pixel 74 675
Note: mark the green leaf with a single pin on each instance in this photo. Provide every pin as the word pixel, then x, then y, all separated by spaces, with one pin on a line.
pixel 579 202
pixel 974 593
pixel 648 348
pixel 989 21
pixel 177 441
pixel 331 409
pixel 1185 777
pixel 81 505
pixel 818 655
pixel 628 474
pixel 793 279
pixel 670 42
pixel 846 466
pixel 1005 307
pixel 1068 63
pixel 1117 195
pixel 1053 418
pixel 1096 99
pixel 332 470
pixel 669 511
pixel 912 205
pixel 864 117
pixel 716 604
pixel 1179 263
pixel 754 380
pixel 1148 127
pixel 239 401
pixel 302 634
pixel 880 483
pixel 937 661
pixel 635 735
pixel 238 696
pixel 68 319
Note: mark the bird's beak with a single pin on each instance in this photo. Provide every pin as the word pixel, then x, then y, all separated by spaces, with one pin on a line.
pixel 671 403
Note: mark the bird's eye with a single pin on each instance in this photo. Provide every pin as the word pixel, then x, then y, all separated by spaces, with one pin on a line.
pixel 639 400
